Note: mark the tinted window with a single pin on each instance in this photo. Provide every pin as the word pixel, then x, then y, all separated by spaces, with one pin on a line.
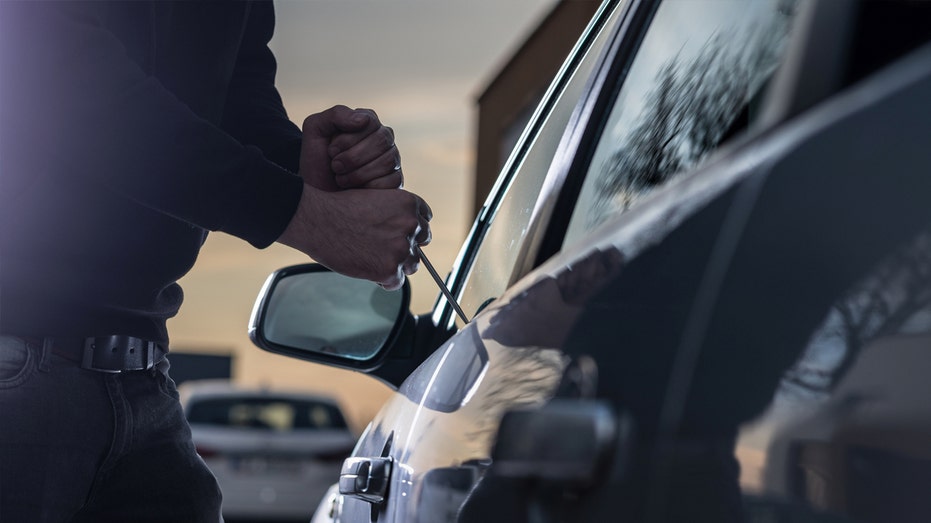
pixel 492 268
pixel 279 414
pixel 696 80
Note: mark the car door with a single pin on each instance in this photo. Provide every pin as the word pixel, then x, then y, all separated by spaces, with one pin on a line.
pixel 794 296
pixel 765 330
pixel 427 479
pixel 437 432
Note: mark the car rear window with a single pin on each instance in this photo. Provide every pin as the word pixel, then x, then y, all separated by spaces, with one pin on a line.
pixel 279 414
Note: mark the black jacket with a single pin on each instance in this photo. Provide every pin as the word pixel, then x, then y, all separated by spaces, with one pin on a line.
pixel 127 131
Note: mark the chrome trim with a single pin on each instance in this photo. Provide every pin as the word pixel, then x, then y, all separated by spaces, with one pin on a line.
pixel 365 478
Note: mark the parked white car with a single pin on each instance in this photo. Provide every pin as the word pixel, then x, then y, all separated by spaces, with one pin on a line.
pixel 274 453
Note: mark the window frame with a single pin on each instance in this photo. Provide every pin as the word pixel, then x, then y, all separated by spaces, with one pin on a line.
pixel 552 184
pixel 570 165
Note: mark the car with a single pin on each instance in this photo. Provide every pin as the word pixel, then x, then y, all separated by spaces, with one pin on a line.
pixel 700 289
pixel 274 453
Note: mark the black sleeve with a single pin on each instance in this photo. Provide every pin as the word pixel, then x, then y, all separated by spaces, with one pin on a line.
pixel 77 108
pixel 254 113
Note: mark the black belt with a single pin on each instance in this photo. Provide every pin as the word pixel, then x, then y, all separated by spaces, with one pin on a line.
pixel 109 353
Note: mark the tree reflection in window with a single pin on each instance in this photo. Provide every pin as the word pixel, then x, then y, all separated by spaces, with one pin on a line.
pixel 699 98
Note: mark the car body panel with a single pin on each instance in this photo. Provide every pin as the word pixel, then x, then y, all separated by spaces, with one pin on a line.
pixel 527 369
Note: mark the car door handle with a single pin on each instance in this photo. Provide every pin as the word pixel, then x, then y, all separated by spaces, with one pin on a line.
pixel 365 478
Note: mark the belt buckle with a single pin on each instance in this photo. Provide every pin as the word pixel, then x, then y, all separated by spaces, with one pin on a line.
pixel 115 354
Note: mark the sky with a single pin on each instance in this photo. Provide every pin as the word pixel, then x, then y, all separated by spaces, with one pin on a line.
pixel 420 64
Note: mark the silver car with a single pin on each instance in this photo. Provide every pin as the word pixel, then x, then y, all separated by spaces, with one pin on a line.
pixel 274 453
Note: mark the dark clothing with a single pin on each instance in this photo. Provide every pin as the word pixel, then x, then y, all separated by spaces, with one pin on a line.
pixel 96 447
pixel 128 130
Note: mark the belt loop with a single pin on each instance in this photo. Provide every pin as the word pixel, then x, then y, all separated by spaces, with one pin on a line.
pixel 45 354
pixel 150 354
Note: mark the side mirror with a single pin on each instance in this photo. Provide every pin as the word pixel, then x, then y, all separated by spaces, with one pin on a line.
pixel 311 313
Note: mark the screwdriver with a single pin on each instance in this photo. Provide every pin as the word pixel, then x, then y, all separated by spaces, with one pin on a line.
pixel 442 285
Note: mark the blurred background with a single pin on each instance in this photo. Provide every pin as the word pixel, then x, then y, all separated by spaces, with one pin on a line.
pixel 436 72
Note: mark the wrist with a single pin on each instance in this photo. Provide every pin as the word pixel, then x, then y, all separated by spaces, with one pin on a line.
pixel 296 231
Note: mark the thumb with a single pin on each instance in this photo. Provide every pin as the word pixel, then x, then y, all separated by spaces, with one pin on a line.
pixel 339 119
pixel 318 129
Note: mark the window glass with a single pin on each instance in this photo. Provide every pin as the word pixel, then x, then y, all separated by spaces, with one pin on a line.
pixel 491 270
pixel 695 81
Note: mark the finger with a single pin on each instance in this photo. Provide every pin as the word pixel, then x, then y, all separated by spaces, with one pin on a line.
pixel 424 210
pixel 423 235
pixel 346 120
pixel 410 265
pixel 351 151
pixel 340 119
pixel 388 166
pixel 394 180
pixel 394 283
pixel 361 119
pixel 349 138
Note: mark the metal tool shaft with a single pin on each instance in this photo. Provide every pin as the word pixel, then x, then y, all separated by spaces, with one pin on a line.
pixel 439 281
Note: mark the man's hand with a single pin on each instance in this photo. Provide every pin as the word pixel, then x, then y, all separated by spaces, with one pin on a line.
pixel 347 148
pixel 341 222
pixel 363 233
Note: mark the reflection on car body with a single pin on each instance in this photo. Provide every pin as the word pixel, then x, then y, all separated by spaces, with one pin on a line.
pixel 847 415
pixel 712 240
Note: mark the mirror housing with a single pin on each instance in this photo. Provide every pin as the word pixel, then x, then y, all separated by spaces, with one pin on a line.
pixel 311 313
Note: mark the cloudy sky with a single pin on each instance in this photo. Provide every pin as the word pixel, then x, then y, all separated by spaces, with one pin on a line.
pixel 420 65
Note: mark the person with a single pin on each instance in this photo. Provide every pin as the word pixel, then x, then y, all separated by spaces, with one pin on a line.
pixel 127 131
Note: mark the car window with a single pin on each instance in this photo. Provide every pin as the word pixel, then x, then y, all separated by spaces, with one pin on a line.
pixel 696 80
pixel 492 267
pixel 280 414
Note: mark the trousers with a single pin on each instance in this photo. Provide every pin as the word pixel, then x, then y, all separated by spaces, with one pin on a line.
pixel 79 445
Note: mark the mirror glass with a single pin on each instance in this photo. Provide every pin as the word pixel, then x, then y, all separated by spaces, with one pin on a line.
pixel 329 313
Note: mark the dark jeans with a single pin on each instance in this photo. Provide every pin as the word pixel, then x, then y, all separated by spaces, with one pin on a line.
pixel 79 445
